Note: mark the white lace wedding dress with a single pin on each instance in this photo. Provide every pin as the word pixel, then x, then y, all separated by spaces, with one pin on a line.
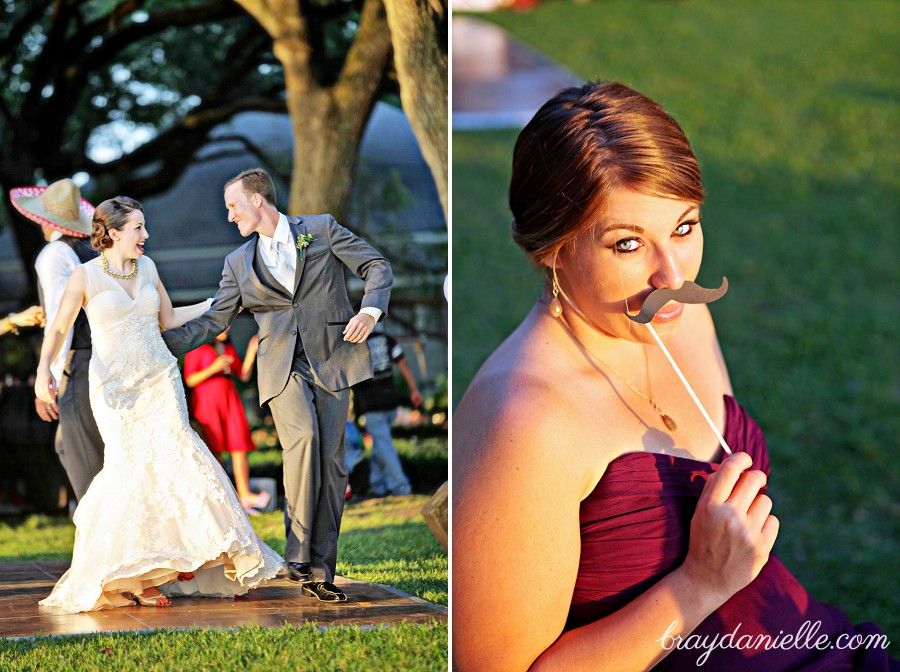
pixel 161 504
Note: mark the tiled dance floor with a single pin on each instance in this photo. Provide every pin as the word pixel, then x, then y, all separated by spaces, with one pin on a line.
pixel 279 602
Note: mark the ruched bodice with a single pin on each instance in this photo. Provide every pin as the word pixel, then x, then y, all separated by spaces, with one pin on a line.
pixel 635 528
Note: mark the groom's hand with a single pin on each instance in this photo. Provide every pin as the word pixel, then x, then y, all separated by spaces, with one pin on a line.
pixel 359 327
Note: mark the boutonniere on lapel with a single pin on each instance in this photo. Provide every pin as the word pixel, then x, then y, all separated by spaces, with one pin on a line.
pixel 303 241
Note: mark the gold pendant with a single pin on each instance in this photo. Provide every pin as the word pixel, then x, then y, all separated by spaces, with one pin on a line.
pixel 668 422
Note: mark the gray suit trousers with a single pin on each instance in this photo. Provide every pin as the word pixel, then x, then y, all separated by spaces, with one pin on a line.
pixel 310 421
pixel 80 447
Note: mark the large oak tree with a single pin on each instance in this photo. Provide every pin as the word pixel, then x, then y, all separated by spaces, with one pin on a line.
pixel 419 37
pixel 329 110
pixel 70 70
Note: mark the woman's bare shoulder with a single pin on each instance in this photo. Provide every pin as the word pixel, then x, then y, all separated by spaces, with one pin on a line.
pixel 516 392
pixel 516 465
pixel 76 279
pixel 518 415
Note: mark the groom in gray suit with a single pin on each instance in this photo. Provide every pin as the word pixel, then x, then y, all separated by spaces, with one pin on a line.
pixel 311 350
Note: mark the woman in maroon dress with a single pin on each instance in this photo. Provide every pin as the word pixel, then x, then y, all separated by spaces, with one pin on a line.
pixel 596 525
pixel 216 405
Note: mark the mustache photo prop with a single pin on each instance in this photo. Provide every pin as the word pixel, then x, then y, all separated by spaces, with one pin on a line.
pixel 689 292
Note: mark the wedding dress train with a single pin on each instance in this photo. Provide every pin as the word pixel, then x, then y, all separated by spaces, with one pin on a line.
pixel 161 504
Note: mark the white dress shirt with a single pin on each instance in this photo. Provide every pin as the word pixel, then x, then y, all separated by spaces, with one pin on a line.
pixel 54 266
pixel 279 253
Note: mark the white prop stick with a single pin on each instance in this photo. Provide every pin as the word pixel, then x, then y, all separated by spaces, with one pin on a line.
pixel 687 386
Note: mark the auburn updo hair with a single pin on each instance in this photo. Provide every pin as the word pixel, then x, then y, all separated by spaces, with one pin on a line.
pixel 581 145
pixel 112 213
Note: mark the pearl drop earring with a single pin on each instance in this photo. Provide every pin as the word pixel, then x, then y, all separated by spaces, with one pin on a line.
pixel 556 309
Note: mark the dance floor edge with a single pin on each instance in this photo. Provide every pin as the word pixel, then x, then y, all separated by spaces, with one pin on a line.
pixel 278 602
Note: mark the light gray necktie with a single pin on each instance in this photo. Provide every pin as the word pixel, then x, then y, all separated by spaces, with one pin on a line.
pixel 283 269
pixel 276 254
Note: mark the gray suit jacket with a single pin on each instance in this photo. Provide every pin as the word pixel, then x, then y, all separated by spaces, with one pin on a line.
pixel 318 308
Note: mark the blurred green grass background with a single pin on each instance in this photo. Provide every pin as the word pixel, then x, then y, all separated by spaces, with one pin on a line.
pixel 792 110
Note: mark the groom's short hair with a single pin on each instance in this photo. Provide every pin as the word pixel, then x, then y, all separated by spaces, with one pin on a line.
pixel 255 181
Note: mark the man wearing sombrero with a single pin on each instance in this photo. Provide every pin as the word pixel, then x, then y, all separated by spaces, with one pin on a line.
pixel 65 219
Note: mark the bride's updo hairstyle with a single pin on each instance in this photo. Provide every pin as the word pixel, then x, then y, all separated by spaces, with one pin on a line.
pixel 112 213
pixel 580 146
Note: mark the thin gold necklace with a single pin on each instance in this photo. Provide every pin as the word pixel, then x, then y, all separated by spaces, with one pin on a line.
pixel 666 419
pixel 120 276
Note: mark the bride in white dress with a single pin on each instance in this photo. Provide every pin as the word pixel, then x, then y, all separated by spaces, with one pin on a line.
pixel 162 512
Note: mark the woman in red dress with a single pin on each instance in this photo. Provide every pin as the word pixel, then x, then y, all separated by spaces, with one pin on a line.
pixel 216 405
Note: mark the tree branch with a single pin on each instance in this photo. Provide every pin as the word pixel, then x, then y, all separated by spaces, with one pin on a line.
pixel 372 45
pixel 6 112
pixel 217 10
pixel 31 16
pixel 171 151
pixel 275 16
pixel 251 147
pixel 245 50
pixel 48 60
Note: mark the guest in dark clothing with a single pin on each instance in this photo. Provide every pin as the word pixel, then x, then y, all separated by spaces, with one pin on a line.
pixel 377 400
pixel 65 220
pixel 596 525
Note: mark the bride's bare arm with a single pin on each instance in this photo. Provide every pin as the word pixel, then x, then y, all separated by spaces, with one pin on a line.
pixel 170 317
pixel 72 300
pixel 184 314
pixel 519 476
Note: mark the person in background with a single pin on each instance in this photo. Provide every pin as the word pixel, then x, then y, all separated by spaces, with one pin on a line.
pixel 65 220
pixel 216 405
pixel 377 400
pixel 30 317
pixel 354 451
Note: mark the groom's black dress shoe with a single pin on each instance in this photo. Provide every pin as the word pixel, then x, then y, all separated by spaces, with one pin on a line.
pixel 298 571
pixel 326 592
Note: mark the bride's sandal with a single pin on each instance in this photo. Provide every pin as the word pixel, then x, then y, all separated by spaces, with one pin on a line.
pixel 153 601
pixel 185 576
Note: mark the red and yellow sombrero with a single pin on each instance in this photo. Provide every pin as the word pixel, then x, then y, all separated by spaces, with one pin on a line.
pixel 59 206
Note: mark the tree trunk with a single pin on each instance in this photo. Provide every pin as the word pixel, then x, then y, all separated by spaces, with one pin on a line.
pixel 327 121
pixel 326 147
pixel 420 56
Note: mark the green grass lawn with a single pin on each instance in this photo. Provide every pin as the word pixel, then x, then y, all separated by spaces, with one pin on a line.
pixel 382 541
pixel 792 109
pixel 251 649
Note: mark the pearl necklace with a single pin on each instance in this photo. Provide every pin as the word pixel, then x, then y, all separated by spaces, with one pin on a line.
pixel 119 276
